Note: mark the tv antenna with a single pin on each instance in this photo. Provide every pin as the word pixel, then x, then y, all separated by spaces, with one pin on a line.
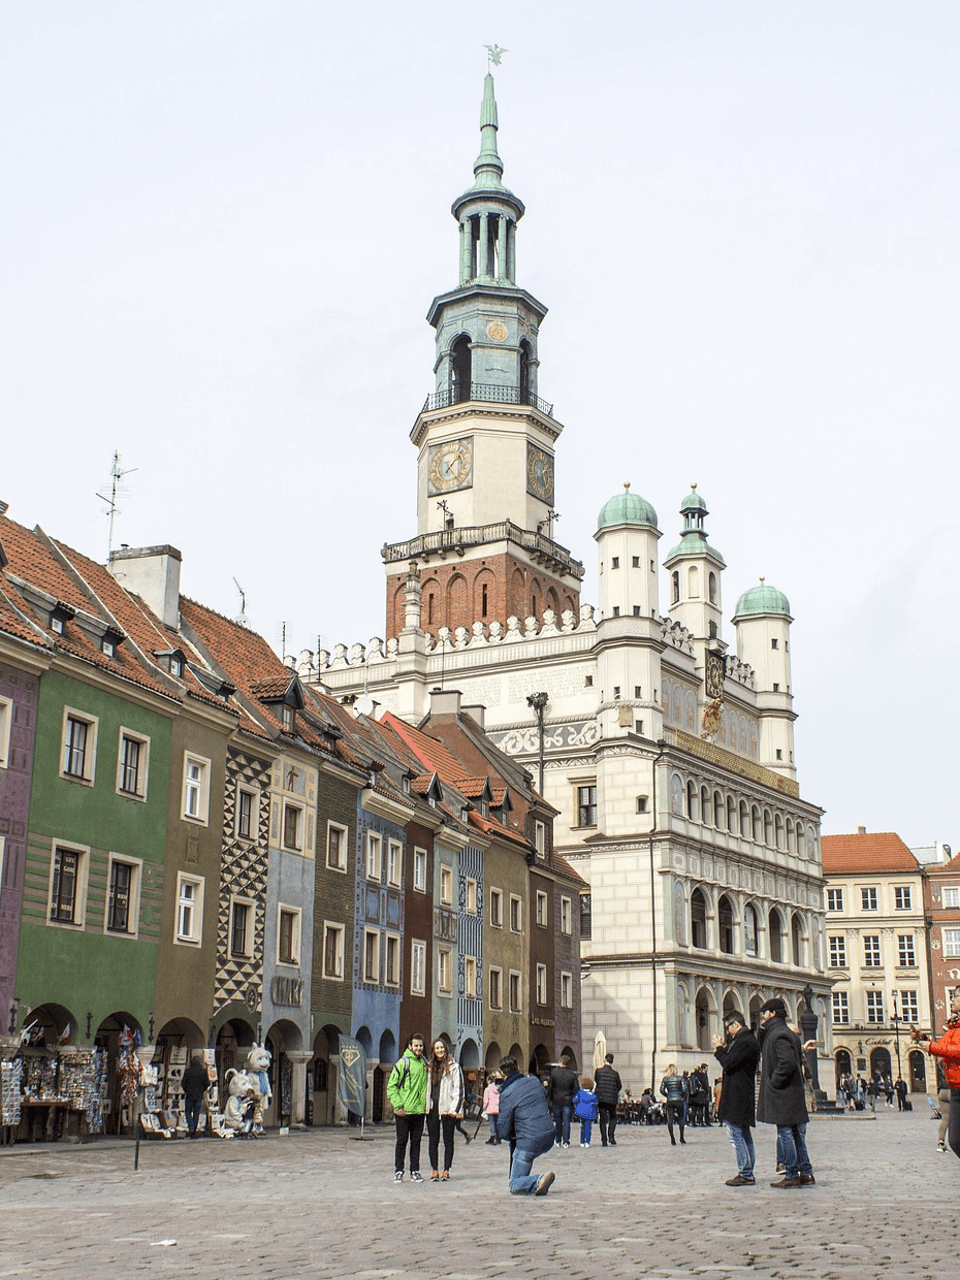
pixel 117 489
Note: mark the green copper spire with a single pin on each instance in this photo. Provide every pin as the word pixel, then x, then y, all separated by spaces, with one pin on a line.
pixel 488 167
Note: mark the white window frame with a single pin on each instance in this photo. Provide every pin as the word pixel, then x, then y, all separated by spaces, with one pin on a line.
pixel 196 786
pixel 838 950
pixel 902 897
pixel 911 999
pixel 418 967
pixel 834 899
pixel 516 914
pixel 296 937
pixel 542 985
pixel 6 720
pixel 80 887
pixel 374 856
pixel 470 898
pixel 444 971
pixel 872 955
pixel 420 870
pixel 133 901
pixel 950 896
pixel 540 839
pixel 446 885
pixel 343 835
pixel 337 931
pixel 496 908
pixel 194 936
pixel 253 793
pixel 515 990
pixel 906 951
pixel 566 916
pixel 394 863
pixel 392 959
pixel 495 987
pixel 143 764
pixel 566 990
pixel 876 1013
pixel 543 909
pixel 249 933
pixel 370 957
pixel 951 942
pixel 470 977
pixel 92 723
pixel 289 807
pixel 840 1011
pixel 869 898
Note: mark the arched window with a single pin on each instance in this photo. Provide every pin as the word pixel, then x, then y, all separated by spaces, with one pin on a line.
pixel 800 838
pixel 676 795
pixel 483 595
pixel 693 802
pixel 750 931
pixel 778 829
pixel 791 837
pixel 457 602
pixel 719 811
pixel 810 843
pixel 460 370
pixel 757 824
pixel 732 815
pixel 706 807
pixel 775 932
pixel 675 587
pixel 767 828
pixel 725 922
pixel 526 387
pixel 744 820
pixel 713 588
pixel 796 939
pixel 698 919
pixel 679 913
pixel 693 582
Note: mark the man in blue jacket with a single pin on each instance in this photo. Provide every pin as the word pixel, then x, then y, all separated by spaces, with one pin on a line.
pixel 524 1118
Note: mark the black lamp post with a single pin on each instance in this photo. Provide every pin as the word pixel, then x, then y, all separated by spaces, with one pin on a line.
pixel 896 1020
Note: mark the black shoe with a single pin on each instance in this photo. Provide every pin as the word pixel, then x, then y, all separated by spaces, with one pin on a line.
pixel 491 1142
pixel 807 1180
pixel 612 1142
pixel 740 1182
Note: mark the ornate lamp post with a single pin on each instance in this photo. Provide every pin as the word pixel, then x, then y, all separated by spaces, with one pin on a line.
pixel 896 1020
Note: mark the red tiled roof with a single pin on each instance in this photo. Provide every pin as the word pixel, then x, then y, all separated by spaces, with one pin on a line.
pixel 561 864
pixel 870 853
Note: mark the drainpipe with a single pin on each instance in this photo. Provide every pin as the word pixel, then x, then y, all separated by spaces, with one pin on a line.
pixel 661 751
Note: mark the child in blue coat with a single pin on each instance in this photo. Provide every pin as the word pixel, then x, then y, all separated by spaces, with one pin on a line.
pixel 585 1108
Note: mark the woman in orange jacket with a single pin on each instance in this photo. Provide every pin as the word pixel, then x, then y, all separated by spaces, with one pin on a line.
pixel 948 1048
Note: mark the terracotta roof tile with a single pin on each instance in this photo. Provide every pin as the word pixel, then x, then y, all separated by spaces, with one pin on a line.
pixel 870 853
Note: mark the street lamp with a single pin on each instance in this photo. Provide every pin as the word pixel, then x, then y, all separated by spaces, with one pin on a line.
pixel 896 1030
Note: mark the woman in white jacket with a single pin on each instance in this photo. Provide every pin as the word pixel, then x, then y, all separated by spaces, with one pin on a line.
pixel 444 1107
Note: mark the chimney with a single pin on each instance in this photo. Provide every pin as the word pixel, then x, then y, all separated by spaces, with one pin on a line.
pixel 476 712
pixel 445 702
pixel 861 831
pixel 153 573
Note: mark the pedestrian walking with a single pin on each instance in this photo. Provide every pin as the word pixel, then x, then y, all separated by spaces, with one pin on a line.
pixel 444 1108
pixel 607 1086
pixel 563 1085
pixel 407 1094
pixel 491 1109
pixel 586 1109
pixel 781 1095
pixel 674 1089
pixel 524 1118
pixel 195 1082
pixel 739 1056
pixel 947 1048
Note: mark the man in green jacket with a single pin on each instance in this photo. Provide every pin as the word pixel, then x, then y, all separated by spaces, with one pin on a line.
pixel 407 1094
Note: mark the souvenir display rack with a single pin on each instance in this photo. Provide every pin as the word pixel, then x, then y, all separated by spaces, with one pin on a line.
pixel 66 1083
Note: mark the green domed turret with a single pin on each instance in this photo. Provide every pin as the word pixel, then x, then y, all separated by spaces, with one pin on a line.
pixel 762 599
pixel 626 508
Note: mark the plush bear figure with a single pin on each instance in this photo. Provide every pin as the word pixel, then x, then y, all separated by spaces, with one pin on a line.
pixel 241 1103
pixel 258 1063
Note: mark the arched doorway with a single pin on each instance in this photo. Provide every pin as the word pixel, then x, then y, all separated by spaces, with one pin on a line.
pixel 843 1065
pixel 703 1011
pixel 460 370
pixel 122 1068
pixel 541 1062
pixel 388 1056
pixel 879 1062
pixel 283 1038
pixel 775 936
pixel 491 1059
pixel 918 1071
pixel 322 1082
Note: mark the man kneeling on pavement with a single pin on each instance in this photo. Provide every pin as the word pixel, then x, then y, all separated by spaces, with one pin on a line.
pixel 524 1118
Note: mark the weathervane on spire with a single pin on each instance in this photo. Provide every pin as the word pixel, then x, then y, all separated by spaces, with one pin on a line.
pixel 494 54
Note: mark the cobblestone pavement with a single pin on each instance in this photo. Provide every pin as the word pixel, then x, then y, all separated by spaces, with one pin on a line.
pixel 318 1204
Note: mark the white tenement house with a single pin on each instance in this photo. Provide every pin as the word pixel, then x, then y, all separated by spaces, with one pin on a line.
pixel 666 748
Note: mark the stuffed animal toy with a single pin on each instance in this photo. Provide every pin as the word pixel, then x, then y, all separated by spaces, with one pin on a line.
pixel 258 1063
pixel 241 1103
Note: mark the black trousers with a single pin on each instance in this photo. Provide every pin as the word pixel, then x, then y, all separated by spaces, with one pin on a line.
pixel 435 1123
pixel 408 1127
pixel 674 1111
pixel 953 1132
pixel 608 1122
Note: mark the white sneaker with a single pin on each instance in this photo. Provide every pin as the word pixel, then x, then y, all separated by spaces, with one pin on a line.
pixel 941 1146
pixel 398 1176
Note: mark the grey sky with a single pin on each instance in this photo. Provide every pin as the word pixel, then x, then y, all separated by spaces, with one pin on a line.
pixel 224 222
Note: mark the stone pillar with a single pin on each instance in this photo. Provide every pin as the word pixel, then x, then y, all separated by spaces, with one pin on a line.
pixel 512 252
pixel 466 249
pixel 411 598
pixel 483 265
pixel 503 273
pixel 298 1086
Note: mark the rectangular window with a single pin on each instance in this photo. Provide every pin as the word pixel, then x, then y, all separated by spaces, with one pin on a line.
pixel 336 847
pixel 587 805
pixel 196 787
pixel 871 950
pixel 6 719
pixel 123 896
pixel 834 899
pixel 541 984
pixel 394 863
pixel 906 950
pixel 446 887
pixel 371 955
pixel 496 988
pixel 241 930
pixel 951 942
pixel 132 762
pixel 875 1007
pixel 868 899
pixel 909 1007
pixel 288 935
pixel 566 915
pixel 470 897
pixel 418 968
pixel 542 920
pixel 374 856
pixel 841 1009
pixel 496 909
pixel 903 897
pixel 951 896
pixel 65 891
pixel 470 977
pixel 392 966
pixel 540 839
pixel 516 914
pixel 420 870
pixel 566 990
pixel 516 992
pixel 189 909
pixel 245 814
pixel 444 970
pixel 79 746
pixel 838 953
pixel 292 827
pixel 333 950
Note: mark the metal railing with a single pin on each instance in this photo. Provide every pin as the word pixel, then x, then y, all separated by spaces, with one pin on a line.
pixel 488 392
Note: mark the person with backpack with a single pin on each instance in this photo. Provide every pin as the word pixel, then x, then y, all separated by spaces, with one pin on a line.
pixel 608 1086
pixel 407 1094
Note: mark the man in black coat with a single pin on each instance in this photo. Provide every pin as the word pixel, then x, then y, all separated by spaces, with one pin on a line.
pixel 563 1085
pixel 782 1100
pixel 607 1087
pixel 739 1055
pixel 195 1084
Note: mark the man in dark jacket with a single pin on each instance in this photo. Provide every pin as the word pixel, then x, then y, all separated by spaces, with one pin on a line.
pixel 563 1085
pixel 607 1087
pixel 739 1055
pixel 524 1118
pixel 194 1084
pixel 781 1094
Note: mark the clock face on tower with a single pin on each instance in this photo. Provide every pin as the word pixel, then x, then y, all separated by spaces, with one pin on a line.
pixel 714 674
pixel 450 466
pixel 539 474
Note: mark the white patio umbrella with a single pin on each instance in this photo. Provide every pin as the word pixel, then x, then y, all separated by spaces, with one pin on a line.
pixel 599 1050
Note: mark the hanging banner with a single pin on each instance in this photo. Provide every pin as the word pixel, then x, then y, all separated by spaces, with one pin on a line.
pixel 352 1076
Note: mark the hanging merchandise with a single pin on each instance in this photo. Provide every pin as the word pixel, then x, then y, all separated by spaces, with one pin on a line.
pixel 128 1071
pixel 11 1076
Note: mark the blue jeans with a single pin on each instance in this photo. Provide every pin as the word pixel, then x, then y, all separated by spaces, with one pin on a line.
pixel 191 1110
pixel 522 1181
pixel 562 1112
pixel 792 1149
pixel 741 1139
pixel 492 1121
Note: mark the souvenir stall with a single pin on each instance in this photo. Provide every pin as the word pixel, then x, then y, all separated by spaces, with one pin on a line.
pixel 162 1112
pixel 11 1076
pixel 61 1092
